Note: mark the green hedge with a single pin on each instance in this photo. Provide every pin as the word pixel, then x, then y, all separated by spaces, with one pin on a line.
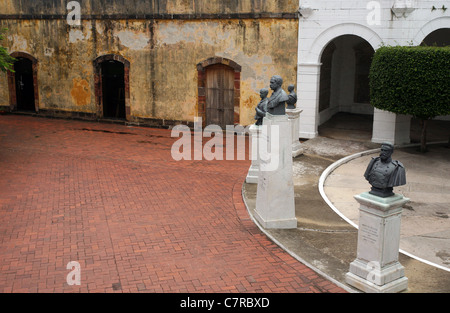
pixel 411 80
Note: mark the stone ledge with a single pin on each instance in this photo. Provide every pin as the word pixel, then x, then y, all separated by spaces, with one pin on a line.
pixel 155 16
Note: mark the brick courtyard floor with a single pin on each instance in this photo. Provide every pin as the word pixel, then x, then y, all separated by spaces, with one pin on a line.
pixel 111 198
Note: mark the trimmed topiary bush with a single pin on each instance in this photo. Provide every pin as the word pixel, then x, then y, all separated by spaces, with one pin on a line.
pixel 412 81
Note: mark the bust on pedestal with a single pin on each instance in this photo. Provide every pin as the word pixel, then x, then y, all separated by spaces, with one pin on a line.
pixel 376 268
pixel 255 132
pixel 275 205
pixel 383 173
pixel 261 108
pixel 292 98
pixel 293 114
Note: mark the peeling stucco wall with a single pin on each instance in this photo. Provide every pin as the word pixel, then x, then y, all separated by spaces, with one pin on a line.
pixel 149 6
pixel 80 92
pixel 263 48
pixel 163 54
pixel 63 54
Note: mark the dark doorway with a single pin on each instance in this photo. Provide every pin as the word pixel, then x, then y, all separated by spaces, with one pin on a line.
pixel 438 38
pixel 24 84
pixel 363 60
pixel 325 76
pixel 220 95
pixel 344 79
pixel 113 89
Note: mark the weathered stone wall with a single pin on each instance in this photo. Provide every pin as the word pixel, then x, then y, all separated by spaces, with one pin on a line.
pixel 133 7
pixel 163 52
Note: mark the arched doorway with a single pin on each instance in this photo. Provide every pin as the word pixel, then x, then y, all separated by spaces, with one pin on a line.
pixel 219 91
pixel 23 71
pixel 22 83
pixel 344 102
pixel 112 87
pixel 439 38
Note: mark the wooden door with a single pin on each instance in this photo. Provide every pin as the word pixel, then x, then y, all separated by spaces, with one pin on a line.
pixel 219 95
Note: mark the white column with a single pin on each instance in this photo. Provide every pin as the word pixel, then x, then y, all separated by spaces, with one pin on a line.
pixel 376 268
pixel 293 116
pixel 275 203
pixel 252 175
pixel 391 127
pixel 308 82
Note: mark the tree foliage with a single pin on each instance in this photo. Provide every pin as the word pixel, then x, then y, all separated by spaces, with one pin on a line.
pixel 6 61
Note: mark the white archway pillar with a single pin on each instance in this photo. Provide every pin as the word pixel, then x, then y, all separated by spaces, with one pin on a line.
pixel 308 83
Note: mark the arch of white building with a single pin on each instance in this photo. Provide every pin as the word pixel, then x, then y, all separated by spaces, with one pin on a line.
pixel 308 80
pixel 428 28
pixel 319 44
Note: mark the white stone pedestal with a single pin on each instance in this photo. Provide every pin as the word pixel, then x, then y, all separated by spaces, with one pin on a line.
pixel 293 116
pixel 376 268
pixel 275 205
pixel 391 127
pixel 252 175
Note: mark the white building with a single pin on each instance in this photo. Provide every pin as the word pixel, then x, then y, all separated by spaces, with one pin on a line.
pixel 336 42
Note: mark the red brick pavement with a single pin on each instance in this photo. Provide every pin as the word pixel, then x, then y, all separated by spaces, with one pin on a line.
pixel 111 198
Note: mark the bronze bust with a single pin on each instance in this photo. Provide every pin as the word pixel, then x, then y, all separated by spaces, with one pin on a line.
pixel 292 98
pixel 278 99
pixel 261 108
pixel 383 173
